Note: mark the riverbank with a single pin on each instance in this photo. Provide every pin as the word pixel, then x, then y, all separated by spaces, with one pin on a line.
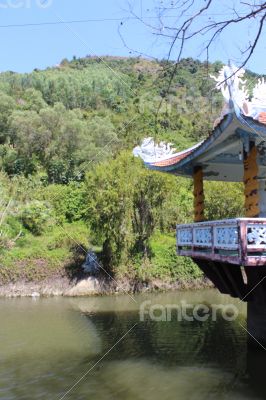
pixel 51 265
pixel 93 286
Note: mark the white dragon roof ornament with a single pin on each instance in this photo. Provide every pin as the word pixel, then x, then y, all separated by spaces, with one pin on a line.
pixel 233 87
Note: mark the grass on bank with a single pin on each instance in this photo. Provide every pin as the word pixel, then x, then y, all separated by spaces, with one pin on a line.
pixel 39 257
pixel 164 263
pixel 58 251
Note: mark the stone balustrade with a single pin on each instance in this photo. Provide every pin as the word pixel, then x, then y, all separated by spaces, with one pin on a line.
pixel 240 241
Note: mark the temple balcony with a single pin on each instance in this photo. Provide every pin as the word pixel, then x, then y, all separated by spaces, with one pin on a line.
pixel 240 241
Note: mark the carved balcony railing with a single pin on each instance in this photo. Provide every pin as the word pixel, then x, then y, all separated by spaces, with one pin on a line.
pixel 240 241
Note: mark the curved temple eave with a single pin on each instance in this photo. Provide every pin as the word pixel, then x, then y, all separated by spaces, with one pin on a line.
pixel 240 117
pixel 177 162
pixel 231 127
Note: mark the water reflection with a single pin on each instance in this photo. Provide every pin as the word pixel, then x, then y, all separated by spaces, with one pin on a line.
pixel 46 345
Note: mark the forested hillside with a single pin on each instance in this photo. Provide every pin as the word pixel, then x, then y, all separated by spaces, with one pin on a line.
pixel 69 181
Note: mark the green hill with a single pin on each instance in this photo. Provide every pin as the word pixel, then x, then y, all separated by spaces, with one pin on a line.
pixel 66 136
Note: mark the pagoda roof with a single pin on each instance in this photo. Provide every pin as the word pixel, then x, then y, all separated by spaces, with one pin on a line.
pixel 221 154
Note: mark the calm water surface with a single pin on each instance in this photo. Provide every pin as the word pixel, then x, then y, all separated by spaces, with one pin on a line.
pixel 46 345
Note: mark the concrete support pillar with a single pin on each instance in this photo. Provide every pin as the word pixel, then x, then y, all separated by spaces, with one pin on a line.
pixel 256 324
pixel 251 182
pixel 198 194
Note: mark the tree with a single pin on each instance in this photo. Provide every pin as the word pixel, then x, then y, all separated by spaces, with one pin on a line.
pixel 63 142
pixel 151 192
pixel 27 134
pixel 123 203
pixel 32 100
pixel 97 142
pixel 10 226
pixel 7 106
pixel 205 19
pixel 223 200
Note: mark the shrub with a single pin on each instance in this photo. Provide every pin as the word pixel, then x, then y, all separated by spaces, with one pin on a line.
pixel 67 201
pixel 35 216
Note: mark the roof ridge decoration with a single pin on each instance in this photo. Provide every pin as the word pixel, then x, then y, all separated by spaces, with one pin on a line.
pixel 162 154
pixel 233 87
pixel 150 151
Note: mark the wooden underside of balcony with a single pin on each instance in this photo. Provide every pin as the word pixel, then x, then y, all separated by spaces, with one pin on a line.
pixel 231 253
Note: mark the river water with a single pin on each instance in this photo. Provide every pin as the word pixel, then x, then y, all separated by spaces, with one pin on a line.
pixel 48 345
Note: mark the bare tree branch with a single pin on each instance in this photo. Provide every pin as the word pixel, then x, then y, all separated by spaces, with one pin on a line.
pixel 202 24
pixel 184 30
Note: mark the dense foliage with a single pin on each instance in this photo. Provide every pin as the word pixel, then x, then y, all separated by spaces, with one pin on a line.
pixel 124 207
pixel 66 136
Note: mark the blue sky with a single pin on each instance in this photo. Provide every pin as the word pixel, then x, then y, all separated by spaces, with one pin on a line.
pixel 26 48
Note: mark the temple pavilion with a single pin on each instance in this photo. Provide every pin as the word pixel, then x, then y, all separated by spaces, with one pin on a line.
pixel 232 252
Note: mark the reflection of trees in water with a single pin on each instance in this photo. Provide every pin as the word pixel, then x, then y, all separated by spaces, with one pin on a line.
pixel 156 360
pixel 219 343
pixel 256 361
